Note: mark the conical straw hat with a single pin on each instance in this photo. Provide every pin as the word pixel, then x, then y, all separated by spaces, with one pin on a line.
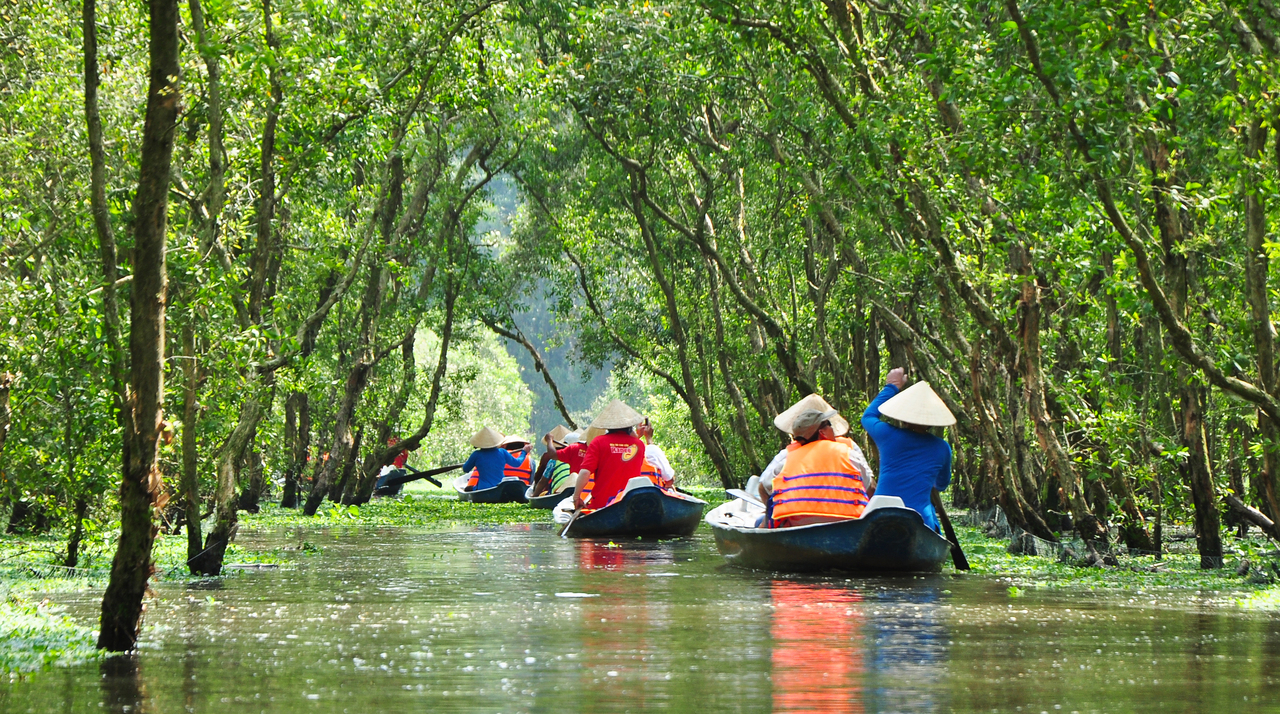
pixel 558 434
pixel 617 416
pixel 918 404
pixel 783 421
pixel 590 434
pixel 513 440
pixel 486 438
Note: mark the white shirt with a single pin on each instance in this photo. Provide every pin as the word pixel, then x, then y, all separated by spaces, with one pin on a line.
pixel 657 458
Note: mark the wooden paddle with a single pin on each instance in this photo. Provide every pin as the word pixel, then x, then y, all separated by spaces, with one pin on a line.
pixel 564 532
pixel 957 553
pixel 739 493
pixel 414 475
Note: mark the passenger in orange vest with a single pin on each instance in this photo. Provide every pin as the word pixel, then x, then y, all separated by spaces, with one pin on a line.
pixel 519 448
pixel 839 426
pixel 612 459
pixel 820 482
pixel 656 467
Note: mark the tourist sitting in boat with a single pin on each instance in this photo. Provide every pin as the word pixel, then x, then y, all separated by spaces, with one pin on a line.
pixel 612 458
pixel 554 475
pixel 839 427
pixel 519 448
pixel 821 482
pixel 913 461
pixel 656 467
pixel 487 464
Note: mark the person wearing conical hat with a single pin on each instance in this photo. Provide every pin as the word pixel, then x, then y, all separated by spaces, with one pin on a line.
pixel 839 428
pixel 820 481
pixel 611 459
pixel 488 462
pixel 913 462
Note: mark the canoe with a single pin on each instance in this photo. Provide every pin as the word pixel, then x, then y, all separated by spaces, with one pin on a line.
pixel 887 538
pixel 508 490
pixel 547 500
pixel 643 510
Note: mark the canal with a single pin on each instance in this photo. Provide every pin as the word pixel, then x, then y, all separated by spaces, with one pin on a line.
pixel 515 619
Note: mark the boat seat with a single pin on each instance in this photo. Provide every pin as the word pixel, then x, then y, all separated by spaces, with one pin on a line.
pixel 879 501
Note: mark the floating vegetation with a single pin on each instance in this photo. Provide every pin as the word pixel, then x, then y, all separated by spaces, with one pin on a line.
pixel 34 636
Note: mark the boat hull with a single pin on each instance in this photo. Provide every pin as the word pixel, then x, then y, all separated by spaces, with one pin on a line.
pixel 510 490
pixel 885 540
pixel 550 500
pixel 641 512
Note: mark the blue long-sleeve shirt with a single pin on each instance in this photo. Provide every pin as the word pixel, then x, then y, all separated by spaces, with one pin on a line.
pixel 911 463
pixel 490 462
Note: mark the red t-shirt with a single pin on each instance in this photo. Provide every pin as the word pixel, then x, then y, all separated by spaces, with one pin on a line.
pixel 572 455
pixel 614 459
pixel 402 458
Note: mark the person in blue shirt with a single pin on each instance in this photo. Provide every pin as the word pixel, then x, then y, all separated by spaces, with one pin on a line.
pixel 913 461
pixel 485 465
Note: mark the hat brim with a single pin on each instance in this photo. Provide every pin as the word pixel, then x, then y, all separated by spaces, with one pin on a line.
pixel 783 421
pixel 919 405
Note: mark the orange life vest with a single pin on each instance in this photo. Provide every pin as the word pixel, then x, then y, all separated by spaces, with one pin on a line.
pixel 652 473
pixel 524 471
pixel 473 479
pixel 819 480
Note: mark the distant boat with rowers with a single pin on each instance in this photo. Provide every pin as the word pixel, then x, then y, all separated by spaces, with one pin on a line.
pixel 888 537
pixel 508 490
pixel 642 509
pixel 547 500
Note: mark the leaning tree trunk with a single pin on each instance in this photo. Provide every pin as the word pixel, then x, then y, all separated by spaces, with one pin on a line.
pixel 141 487
pixel 343 440
pixel 225 524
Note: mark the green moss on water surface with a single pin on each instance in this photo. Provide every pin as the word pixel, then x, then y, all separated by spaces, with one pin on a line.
pixel 36 636
pixel 1174 571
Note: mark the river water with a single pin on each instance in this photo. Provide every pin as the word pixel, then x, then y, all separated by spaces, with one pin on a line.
pixel 515 619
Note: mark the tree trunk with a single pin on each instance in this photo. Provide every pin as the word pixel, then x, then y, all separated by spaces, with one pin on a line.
pixel 225 505
pixel 298 443
pixel 141 487
pixel 357 378
pixel 190 445
pixel 77 532
pixel 344 490
pixel 1072 490
pixel 252 492
pixel 101 213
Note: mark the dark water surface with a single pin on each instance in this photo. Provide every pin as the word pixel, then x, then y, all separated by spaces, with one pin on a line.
pixel 497 620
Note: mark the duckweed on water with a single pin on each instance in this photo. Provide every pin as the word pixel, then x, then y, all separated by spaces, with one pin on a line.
pixel 36 636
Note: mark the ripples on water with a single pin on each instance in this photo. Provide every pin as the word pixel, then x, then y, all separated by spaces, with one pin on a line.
pixel 514 619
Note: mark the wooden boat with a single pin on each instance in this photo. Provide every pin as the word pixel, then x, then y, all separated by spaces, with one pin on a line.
pixel 889 537
pixel 508 490
pixel 643 510
pixel 548 500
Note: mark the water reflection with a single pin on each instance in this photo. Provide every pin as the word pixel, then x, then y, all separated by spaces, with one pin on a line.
pixel 399 620
pixel 818 648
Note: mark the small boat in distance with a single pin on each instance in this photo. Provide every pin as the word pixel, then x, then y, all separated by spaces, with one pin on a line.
pixel 547 500
pixel 508 490
pixel 888 537
pixel 643 509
